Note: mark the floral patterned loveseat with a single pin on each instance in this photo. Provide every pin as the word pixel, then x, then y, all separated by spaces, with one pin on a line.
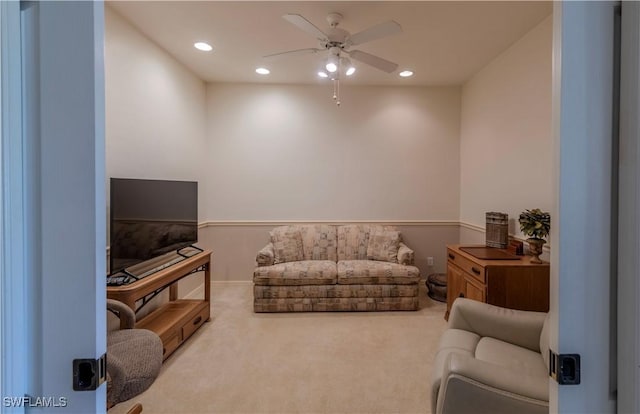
pixel 335 268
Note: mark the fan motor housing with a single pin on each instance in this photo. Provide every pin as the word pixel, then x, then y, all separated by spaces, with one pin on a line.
pixel 337 35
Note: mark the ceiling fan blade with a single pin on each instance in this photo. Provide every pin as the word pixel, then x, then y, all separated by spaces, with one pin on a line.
pixel 296 52
pixel 372 60
pixel 305 25
pixel 376 32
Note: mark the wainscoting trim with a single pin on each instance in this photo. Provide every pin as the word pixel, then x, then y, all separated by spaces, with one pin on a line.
pixel 472 226
pixel 222 223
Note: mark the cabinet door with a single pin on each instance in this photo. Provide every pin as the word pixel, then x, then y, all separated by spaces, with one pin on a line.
pixel 455 284
pixel 474 292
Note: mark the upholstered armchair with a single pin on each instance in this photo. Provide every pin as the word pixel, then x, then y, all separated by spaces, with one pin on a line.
pixel 491 360
pixel 134 357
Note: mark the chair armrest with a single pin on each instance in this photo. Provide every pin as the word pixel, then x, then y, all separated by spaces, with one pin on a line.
pixel 522 328
pixel 405 254
pixel 472 385
pixel 122 311
pixel 266 256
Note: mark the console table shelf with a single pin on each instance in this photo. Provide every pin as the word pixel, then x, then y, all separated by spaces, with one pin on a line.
pixel 175 321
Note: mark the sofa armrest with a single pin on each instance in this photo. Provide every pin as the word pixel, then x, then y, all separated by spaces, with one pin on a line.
pixel 522 328
pixel 266 256
pixel 472 385
pixel 405 254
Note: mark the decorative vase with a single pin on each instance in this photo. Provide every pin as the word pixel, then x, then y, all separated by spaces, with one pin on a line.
pixel 535 249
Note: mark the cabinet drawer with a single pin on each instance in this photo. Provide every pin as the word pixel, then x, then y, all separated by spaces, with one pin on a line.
pixel 194 323
pixel 473 269
pixel 473 291
pixel 170 344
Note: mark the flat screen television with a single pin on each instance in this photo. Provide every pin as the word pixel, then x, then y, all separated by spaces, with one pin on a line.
pixel 150 218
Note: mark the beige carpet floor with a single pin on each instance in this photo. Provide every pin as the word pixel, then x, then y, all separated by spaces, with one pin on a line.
pixel 241 362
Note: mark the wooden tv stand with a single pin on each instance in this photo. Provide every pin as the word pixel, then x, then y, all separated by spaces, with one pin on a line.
pixel 178 319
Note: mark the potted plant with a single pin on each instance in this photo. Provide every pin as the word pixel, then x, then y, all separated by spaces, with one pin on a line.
pixel 535 223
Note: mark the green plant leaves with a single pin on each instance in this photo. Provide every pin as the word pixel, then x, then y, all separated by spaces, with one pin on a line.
pixel 535 223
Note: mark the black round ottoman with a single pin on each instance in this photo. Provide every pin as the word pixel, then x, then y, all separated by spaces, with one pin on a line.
pixel 437 284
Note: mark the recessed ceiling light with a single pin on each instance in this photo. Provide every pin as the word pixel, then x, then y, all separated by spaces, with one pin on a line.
pixel 262 71
pixel 205 47
pixel 406 73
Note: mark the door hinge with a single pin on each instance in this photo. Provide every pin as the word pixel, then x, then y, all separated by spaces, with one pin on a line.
pixel 88 374
pixel 564 368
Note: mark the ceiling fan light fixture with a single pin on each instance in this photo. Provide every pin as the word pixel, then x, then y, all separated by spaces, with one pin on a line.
pixel 263 71
pixel 205 47
pixel 332 64
pixel 333 60
pixel 406 73
pixel 349 68
pixel 337 42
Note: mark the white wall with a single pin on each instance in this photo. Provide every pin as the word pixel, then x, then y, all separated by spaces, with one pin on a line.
pixel 505 140
pixel 282 152
pixel 155 115
pixel 155 110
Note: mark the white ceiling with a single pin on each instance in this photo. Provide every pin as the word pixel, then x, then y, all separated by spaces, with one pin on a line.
pixel 444 43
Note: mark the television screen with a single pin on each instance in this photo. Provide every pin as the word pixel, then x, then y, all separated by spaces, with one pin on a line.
pixel 150 218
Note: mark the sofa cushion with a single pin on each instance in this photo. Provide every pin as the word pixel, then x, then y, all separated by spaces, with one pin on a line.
pixel 334 291
pixel 287 244
pixel 319 242
pixel 351 272
pixel 353 241
pixel 383 245
pixel 511 356
pixel 306 272
pixel 366 304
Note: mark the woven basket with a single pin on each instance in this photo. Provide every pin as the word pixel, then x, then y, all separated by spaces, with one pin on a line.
pixel 497 230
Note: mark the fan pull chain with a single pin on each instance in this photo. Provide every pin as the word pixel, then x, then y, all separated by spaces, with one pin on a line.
pixel 336 91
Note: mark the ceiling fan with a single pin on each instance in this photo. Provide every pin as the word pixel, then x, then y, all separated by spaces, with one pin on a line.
pixel 337 42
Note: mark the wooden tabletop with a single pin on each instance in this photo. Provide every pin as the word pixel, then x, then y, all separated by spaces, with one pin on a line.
pixel 522 261
pixel 161 278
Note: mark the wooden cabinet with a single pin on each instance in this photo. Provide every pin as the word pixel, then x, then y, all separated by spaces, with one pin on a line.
pixel 516 284
pixel 178 319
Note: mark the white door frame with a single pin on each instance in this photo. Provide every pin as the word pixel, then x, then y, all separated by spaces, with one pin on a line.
pixel 581 276
pixel 12 286
pixel 72 204
pixel 629 213
pixel 53 196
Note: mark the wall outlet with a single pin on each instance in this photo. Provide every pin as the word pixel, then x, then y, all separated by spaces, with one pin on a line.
pixel 429 261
